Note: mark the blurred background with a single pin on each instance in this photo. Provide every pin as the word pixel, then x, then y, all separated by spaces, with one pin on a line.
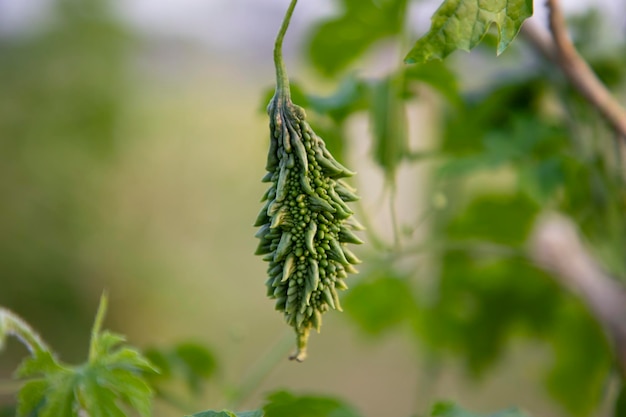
pixel 132 144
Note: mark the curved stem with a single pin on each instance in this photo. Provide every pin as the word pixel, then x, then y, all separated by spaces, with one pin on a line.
pixel 282 81
pixel 12 324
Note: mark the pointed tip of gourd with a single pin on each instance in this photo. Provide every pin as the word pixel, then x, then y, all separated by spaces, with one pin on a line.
pixel 302 339
pixel 298 356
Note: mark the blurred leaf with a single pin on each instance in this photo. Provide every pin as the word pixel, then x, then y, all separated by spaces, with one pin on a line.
pixel 226 413
pixel 197 363
pixel 492 112
pixel 437 75
pixel 193 362
pixel 350 96
pixel 582 361
pixel 497 218
pixel 41 362
pixel 542 179
pixel 388 121
pixel 160 360
pixel 461 24
pixel 285 404
pixel 7 411
pixel 31 397
pixel 336 42
pixel 197 357
pixel 536 149
pixel 380 302
pixel 480 302
pixel 620 402
pixel 447 409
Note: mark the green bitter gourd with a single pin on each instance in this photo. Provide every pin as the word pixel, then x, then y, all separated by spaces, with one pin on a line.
pixel 305 223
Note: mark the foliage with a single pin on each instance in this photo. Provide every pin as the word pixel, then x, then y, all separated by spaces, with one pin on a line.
pixel 193 362
pixel 487 293
pixel 509 146
pixel 112 378
pixel 339 40
pixel 462 24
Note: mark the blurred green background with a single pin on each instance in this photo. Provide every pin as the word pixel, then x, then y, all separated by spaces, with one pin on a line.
pixel 131 153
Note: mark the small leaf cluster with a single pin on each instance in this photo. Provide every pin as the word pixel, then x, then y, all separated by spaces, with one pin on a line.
pixel 111 382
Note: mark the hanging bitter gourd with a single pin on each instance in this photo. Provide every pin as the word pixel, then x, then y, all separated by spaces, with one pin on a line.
pixel 305 223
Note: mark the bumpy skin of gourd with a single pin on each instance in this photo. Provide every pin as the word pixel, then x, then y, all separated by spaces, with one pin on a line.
pixel 305 223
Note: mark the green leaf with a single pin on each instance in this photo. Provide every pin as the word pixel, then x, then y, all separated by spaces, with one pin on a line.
pixel 380 302
pixel 198 358
pixel 99 400
pixel 582 360
pixel 285 404
pixel 461 24
pixel 620 402
pixel 481 302
pixel 226 413
pixel 7 411
pixel 447 409
pixel 495 218
pixel 60 397
pixel 136 392
pixel 542 179
pixel 161 361
pixel 350 96
pixel 31 397
pixel 437 75
pixel 190 361
pixel 41 363
pixel 107 341
pixel 338 41
pixel 196 363
pixel 113 377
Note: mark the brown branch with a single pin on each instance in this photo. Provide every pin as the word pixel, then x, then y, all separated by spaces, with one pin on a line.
pixel 556 246
pixel 559 49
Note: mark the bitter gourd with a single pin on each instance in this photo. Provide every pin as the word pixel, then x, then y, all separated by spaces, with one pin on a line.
pixel 305 223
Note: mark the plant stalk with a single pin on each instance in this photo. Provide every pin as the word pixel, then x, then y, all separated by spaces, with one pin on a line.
pixel 282 80
pixel 95 331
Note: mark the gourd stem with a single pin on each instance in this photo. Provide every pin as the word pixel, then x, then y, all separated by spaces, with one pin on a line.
pixel 282 80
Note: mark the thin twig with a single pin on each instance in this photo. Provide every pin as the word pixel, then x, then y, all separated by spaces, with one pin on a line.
pixel 559 49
